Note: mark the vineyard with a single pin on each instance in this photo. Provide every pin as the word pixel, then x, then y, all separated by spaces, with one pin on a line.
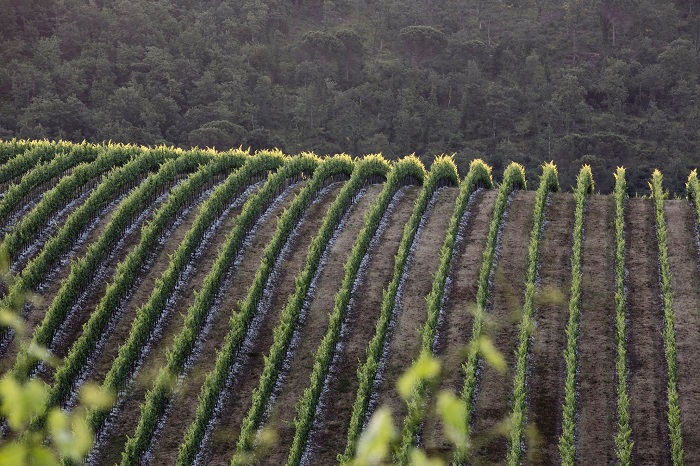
pixel 260 308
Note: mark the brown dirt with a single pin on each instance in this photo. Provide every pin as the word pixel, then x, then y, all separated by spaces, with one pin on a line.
pixel 59 216
pixel 221 445
pixel 597 403
pixel 178 421
pixel 685 283
pixel 128 416
pixel 313 328
pixel 93 230
pixel 332 421
pixel 455 330
pixel 647 375
pixel 547 371
pixel 73 326
pixel 36 311
pixel 144 287
pixel 412 309
pixel 492 404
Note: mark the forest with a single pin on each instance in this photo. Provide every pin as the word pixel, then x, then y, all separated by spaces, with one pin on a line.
pixel 602 82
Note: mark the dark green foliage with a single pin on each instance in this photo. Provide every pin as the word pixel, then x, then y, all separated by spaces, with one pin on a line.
pixel 522 81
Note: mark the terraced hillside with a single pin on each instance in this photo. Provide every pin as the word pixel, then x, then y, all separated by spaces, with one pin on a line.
pixel 224 295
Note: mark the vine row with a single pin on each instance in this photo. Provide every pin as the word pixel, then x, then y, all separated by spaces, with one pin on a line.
pixel 363 172
pixel 479 176
pixel 669 332
pixel 160 394
pixel 83 270
pixel 442 171
pixel 85 175
pixel 19 192
pixel 240 321
pixel 400 173
pixel 567 447
pixel 548 182
pixel 513 178
pixel 623 438
pixel 147 315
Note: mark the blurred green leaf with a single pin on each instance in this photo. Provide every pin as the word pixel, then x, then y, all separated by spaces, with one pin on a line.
pixel 12 320
pixel 59 428
pixel 13 454
pixel 550 295
pixel 43 354
pixel 93 396
pixel 491 355
pixel 453 413
pixel 20 403
pixel 40 455
pixel 71 434
pixel 375 443
pixel 425 368
pixel 419 458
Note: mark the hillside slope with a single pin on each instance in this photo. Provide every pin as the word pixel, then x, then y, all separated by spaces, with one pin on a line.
pixel 223 293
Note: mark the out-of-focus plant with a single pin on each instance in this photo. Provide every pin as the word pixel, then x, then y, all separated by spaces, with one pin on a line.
pixel 381 437
pixel 64 435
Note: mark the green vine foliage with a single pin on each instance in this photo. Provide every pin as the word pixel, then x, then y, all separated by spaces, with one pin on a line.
pixel 567 448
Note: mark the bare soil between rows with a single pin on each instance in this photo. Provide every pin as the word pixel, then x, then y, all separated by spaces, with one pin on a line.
pixel 43 297
pixel 546 371
pixel 125 420
pixel 72 328
pixel 186 397
pixel 494 389
pixel 312 328
pixel 328 436
pixel 597 403
pixel 221 443
pixel 647 364
pixel 411 310
pixel 455 327
pixel 685 284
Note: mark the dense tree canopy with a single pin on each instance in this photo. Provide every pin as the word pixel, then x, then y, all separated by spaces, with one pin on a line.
pixel 606 82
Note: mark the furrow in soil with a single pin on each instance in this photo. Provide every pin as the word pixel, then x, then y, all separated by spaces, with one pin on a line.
pixel 597 399
pixel 219 446
pixel 456 318
pixel 328 436
pixel 492 405
pixel 647 365
pixel 685 283
pixel 176 421
pixel 545 380
pixel 312 328
pixel 411 310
